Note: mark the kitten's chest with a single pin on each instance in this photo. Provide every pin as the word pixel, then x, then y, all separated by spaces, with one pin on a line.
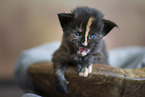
pixel 75 59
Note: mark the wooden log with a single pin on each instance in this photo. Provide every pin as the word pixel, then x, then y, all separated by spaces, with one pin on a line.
pixel 104 81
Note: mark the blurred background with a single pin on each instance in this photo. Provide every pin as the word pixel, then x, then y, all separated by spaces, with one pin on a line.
pixel 28 23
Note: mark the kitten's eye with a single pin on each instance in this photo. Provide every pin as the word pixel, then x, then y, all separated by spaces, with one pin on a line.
pixel 92 36
pixel 77 34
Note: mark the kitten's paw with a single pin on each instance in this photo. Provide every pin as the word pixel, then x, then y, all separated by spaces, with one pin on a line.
pixel 90 67
pixel 61 86
pixel 85 71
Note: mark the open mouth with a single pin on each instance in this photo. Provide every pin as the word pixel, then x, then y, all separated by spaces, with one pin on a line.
pixel 82 51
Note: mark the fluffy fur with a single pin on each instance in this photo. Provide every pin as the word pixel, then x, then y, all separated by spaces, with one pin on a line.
pixel 82 43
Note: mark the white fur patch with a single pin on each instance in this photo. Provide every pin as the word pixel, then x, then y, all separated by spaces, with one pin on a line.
pixel 82 53
pixel 86 72
pixel 90 68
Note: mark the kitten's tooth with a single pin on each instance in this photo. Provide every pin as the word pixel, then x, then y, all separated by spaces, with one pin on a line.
pixel 90 68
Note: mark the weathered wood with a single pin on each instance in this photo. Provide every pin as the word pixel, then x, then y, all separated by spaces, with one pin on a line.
pixel 104 81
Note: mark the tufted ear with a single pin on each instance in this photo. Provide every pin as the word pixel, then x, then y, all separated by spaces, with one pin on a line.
pixel 65 19
pixel 108 26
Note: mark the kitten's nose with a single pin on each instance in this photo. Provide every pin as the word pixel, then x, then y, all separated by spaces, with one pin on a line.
pixel 85 44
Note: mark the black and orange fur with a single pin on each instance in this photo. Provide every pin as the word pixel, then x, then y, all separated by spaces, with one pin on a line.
pixel 82 43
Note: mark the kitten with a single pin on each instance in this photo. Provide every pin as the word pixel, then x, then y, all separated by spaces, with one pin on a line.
pixel 82 43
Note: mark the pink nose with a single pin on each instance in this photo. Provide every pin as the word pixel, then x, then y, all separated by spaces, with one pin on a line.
pixel 85 43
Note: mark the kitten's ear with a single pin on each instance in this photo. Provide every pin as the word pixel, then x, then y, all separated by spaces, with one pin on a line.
pixel 65 19
pixel 108 26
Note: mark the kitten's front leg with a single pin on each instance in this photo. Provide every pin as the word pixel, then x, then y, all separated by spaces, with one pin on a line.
pixel 60 81
pixel 84 71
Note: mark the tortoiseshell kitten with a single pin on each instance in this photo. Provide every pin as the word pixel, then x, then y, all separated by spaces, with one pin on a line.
pixel 82 43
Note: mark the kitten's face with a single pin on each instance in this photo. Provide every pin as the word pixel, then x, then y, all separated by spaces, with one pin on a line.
pixel 84 36
pixel 84 33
